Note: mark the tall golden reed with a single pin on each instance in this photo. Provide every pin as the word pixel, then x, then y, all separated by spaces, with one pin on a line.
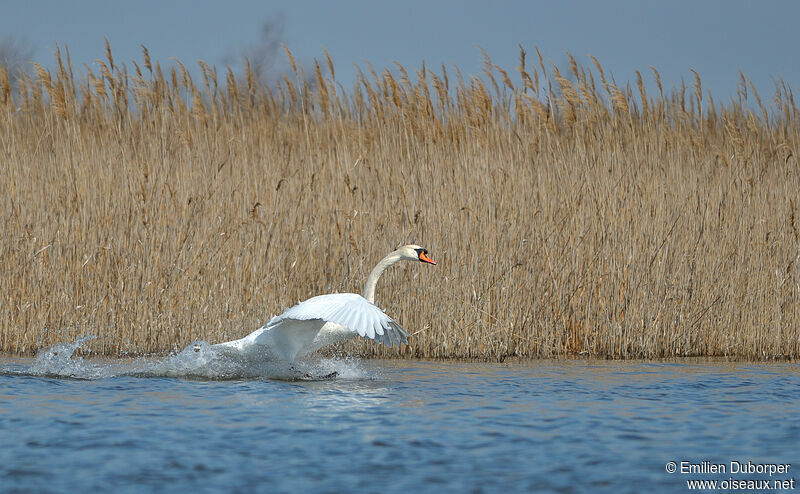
pixel 569 215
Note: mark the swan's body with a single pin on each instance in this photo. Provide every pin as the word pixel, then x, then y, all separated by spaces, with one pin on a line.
pixel 326 319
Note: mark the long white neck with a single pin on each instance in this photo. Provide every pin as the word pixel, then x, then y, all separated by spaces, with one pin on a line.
pixel 377 271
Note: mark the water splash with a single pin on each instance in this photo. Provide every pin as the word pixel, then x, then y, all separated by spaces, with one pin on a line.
pixel 58 361
pixel 199 360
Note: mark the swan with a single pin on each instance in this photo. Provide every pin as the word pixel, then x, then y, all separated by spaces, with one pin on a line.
pixel 326 319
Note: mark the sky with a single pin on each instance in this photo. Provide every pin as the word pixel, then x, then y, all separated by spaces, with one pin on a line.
pixel 717 38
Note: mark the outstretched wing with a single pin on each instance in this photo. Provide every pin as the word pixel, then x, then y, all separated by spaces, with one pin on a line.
pixel 317 322
pixel 349 310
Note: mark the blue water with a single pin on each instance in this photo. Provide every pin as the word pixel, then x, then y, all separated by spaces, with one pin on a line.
pixel 192 423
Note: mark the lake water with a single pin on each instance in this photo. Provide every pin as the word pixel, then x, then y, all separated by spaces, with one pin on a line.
pixel 195 423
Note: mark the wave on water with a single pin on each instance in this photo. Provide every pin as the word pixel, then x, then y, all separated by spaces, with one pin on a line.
pixel 199 360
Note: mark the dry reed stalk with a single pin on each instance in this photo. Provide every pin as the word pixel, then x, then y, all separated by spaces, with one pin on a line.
pixel 567 220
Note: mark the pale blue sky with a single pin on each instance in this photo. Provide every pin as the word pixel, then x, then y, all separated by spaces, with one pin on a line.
pixel 715 37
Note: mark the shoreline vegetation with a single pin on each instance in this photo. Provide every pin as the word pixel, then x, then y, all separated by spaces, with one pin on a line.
pixel 569 215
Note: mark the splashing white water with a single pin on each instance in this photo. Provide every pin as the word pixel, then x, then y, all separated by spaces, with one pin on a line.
pixel 197 361
pixel 58 361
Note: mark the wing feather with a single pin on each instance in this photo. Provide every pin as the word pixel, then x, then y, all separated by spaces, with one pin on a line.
pixel 380 334
pixel 376 325
pixel 317 322
pixel 393 337
pixel 398 333
pixel 351 311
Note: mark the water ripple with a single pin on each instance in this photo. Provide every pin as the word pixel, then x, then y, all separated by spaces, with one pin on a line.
pixel 172 424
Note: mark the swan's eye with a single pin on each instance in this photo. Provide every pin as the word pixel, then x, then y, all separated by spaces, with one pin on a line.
pixel 423 256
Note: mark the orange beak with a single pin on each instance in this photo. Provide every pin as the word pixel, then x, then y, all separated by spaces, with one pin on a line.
pixel 424 258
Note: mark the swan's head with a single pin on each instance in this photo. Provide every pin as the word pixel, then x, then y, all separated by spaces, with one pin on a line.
pixel 415 253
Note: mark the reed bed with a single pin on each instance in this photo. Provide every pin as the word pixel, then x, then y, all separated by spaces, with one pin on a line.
pixel 569 215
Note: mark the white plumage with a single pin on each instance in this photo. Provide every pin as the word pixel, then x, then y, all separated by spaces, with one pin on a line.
pixel 326 319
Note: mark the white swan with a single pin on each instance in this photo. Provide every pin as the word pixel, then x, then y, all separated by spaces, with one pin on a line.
pixel 326 319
